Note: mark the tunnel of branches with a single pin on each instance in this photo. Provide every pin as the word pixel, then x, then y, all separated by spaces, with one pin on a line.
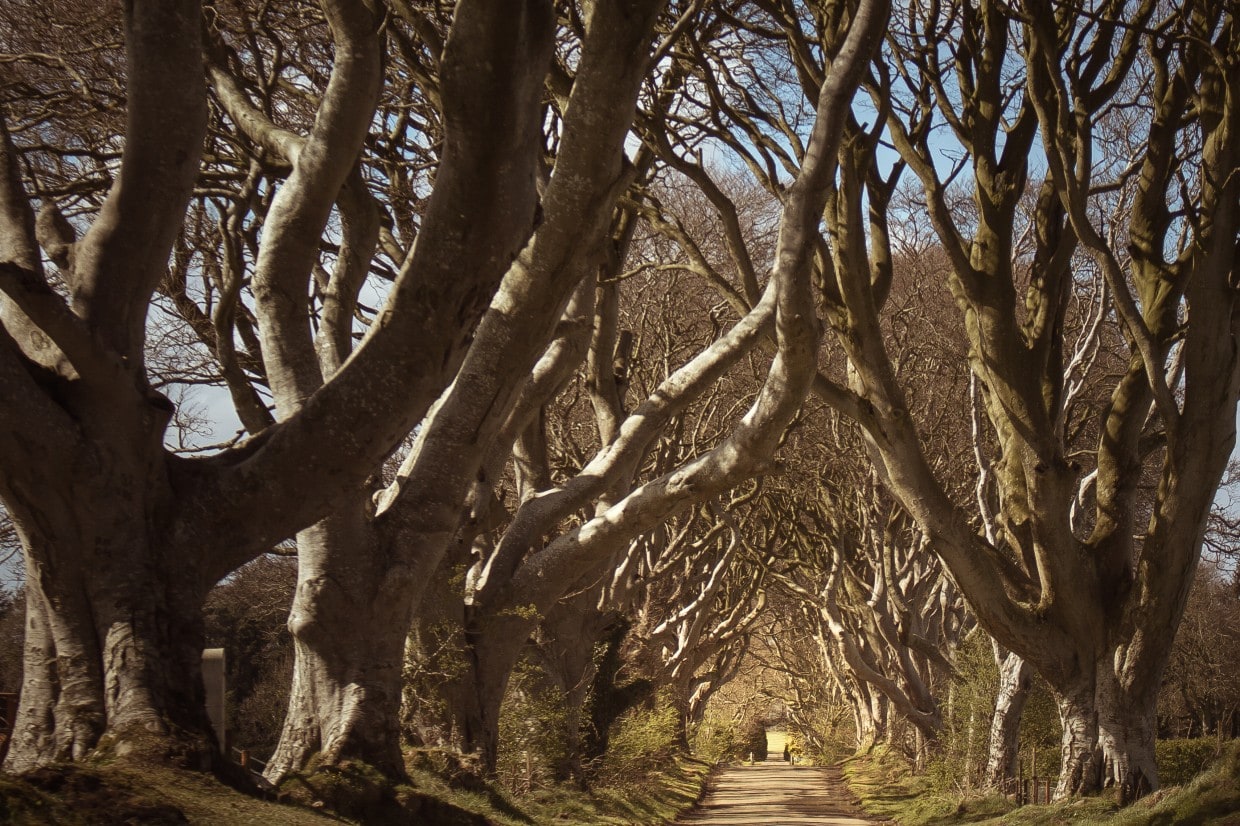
pixel 542 386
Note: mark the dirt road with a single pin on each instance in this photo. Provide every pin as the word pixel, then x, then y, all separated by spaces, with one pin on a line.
pixel 774 793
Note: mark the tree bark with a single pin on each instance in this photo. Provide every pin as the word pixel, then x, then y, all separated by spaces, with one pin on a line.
pixel 607 699
pixel 348 621
pixel 1015 681
pixel 1079 758
pixel 565 649
pixel 1127 727
pixel 493 648
pixel 33 739
pixel 113 662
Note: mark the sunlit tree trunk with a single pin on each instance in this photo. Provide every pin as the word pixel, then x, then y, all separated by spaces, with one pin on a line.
pixel 1015 682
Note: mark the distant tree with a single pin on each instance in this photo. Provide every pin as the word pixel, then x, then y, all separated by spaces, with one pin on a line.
pixel 12 639
pixel 247 616
pixel 1200 694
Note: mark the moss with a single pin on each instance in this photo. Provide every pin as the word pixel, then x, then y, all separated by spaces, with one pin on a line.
pixel 22 803
pixel 73 795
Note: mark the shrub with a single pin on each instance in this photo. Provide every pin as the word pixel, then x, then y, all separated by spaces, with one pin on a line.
pixel 641 739
pixel 532 731
pixel 753 740
pixel 1179 761
pixel 957 767
pixel 716 740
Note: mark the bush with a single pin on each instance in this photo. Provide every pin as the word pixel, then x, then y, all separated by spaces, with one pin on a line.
pixel 1179 761
pixel 641 740
pixel 716 740
pixel 532 731
pixel 754 740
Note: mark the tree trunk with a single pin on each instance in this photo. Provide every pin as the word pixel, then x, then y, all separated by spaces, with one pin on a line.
pixel 492 649
pixel 571 767
pixel 33 740
pixel 608 700
pixel 117 672
pixel 1079 757
pixel 871 714
pixel 1127 725
pixel 565 648
pixel 434 658
pixel 1015 681
pixel 349 620
pixel 680 697
pixel 114 656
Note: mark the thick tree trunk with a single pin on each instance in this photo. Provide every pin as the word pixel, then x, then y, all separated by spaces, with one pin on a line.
pixel 607 699
pixel 492 649
pixel 1127 725
pixel 1079 757
pixel 115 630
pixel 349 621
pixel 1015 681
pixel 115 667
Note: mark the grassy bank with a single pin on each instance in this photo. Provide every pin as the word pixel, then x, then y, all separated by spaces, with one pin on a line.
pixel 85 795
pixel 890 791
pixel 655 798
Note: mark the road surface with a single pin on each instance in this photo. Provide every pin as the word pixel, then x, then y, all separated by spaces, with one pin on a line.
pixel 774 793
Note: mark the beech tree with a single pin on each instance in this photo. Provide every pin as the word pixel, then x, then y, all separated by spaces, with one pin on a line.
pixel 121 537
pixel 1098 510
pixel 115 652
pixel 520 575
pixel 1087 577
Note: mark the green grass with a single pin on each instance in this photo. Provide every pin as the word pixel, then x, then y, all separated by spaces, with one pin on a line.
pixel 890 791
pixel 85 795
pixel 655 799
pixel 89 794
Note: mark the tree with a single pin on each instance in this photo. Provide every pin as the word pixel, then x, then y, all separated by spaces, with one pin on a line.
pixel 122 539
pixel 1086 577
pixel 406 529
pixel 521 575
pixel 1096 510
pixel 881 610
pixel 1200 694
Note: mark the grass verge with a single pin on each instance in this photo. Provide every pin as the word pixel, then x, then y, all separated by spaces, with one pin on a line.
pixel 657 798
pixel 88 795
pixel 890 791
